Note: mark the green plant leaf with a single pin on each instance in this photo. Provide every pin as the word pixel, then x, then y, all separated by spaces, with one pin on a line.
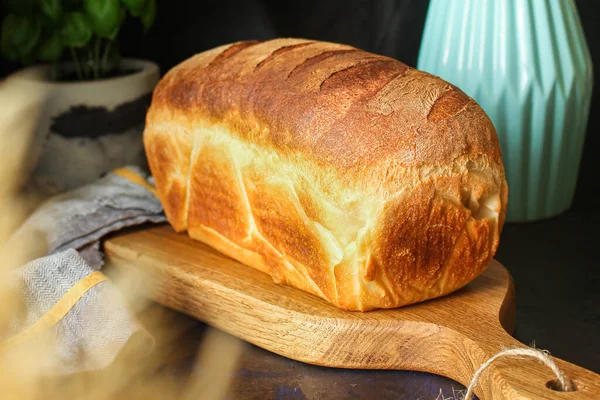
pixel 51 48
pixel 105 16
pixel 20 34
pixel 52 10
pixel 77 30
pixel 136 7
pixel 19 7
pixel 149 15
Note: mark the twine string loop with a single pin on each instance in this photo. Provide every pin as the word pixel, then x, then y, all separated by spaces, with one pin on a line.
pixel 564 384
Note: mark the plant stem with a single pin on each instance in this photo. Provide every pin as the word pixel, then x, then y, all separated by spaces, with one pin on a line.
pixel 105 55
pixel 90 62
pixel 76 60
pixel 99 70
pixel 89 65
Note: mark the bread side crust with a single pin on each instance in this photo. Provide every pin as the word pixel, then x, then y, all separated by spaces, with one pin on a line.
pixel 357 250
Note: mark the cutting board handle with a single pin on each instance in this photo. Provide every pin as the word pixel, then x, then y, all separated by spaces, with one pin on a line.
pixel 457 352
pixel 522 377
pixel 456 349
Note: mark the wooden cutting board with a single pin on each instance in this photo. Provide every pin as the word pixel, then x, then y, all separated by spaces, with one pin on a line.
pixel 450 336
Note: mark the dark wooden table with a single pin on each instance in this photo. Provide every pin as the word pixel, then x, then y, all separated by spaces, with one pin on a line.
pixel 558 309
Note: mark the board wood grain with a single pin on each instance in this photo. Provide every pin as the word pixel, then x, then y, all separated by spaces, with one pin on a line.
pixel 451 336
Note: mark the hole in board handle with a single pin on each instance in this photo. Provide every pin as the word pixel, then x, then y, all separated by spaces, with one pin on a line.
pixel 555 385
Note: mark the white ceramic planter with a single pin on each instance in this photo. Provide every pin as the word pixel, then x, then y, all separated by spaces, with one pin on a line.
pixel 88 128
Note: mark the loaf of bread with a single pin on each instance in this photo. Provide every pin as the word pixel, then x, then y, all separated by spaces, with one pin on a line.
pixel 340 172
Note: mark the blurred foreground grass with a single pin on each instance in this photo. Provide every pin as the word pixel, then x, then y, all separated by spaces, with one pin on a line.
pixel 131 376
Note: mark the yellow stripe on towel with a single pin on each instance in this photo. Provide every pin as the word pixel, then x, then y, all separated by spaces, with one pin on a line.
pixel 135 178
pixel 58 311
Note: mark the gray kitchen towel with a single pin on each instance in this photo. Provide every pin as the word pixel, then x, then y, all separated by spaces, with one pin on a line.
pixel 94 330
pixel 79 218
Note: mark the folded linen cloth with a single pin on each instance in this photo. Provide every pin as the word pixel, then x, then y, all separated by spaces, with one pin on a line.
pixel 63 292
pixel 80 218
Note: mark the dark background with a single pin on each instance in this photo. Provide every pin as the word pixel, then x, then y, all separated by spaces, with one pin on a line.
pixel 553 262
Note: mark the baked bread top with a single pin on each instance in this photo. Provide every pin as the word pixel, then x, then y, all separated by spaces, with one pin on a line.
pixel 347 108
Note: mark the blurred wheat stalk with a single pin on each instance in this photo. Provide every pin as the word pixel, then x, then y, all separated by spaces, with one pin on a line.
pixel 20 374
pixel 19 115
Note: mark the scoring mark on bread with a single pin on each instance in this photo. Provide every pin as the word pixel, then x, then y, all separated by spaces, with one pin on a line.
pixel 317 59
pixel 356 64
pixel 370 61
pixel 232 51
pixel 398 94
pixel 449 104
pixel 280 51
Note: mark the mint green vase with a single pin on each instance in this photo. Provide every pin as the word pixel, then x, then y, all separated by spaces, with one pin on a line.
pixel 527 63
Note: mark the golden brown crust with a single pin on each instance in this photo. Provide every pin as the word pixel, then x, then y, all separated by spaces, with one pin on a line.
pixel 344 173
